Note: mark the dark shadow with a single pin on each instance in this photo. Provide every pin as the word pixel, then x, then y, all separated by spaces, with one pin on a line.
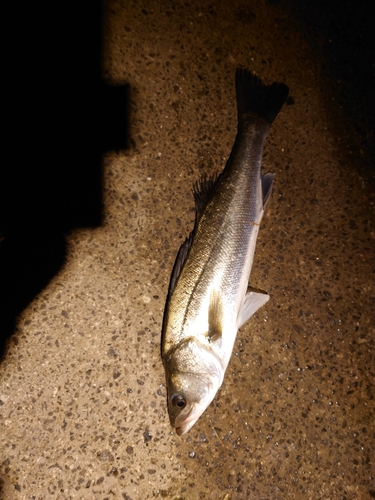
pixel 60 116
pixel 342 37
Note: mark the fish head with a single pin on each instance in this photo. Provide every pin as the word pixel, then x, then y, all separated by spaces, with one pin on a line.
pixel 194 375
pixel 188 398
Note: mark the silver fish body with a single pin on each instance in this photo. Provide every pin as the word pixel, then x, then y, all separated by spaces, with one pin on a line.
pixel 207 300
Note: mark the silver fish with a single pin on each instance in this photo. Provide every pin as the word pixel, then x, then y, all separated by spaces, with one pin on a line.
pixel 208 298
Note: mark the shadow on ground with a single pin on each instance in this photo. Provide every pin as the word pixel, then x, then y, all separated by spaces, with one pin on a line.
pixel 341 35
pixel 60 116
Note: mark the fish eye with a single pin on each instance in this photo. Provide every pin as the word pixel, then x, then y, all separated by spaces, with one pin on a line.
pixel 179 401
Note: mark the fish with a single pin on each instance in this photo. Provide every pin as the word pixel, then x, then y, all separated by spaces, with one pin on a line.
pixel 209 297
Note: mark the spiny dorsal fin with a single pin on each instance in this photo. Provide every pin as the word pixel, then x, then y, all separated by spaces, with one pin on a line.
pixel 179 262
pixel 202 194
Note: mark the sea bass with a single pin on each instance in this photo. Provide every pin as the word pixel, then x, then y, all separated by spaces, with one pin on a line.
pixel 208 298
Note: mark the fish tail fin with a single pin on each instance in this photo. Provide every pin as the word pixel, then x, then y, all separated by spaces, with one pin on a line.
pixel 255 99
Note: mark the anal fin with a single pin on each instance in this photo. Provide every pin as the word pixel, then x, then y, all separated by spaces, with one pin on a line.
pixel 267 185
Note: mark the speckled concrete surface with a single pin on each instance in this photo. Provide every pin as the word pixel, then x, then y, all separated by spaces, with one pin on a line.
pixel 83 402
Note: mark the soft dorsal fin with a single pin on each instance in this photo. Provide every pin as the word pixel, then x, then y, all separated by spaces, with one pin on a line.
pixel 203 191
pixel 253 301
pixel 215 316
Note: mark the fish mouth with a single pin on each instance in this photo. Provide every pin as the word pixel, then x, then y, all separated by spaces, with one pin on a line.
pixel 184 428
pixel 188 422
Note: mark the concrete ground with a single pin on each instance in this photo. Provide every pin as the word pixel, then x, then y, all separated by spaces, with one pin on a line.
pixel 82 393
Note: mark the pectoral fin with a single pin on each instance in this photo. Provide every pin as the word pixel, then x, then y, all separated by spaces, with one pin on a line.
pixel 253 301
pixel 215 316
